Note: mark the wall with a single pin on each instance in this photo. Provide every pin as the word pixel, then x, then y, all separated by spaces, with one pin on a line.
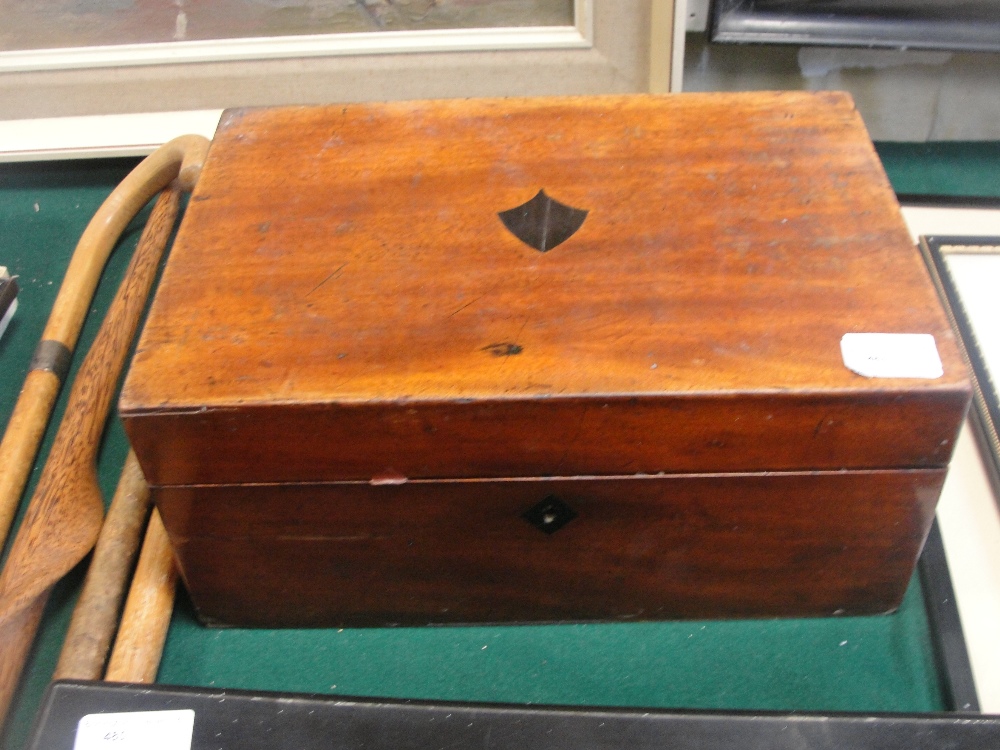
pixel 902 95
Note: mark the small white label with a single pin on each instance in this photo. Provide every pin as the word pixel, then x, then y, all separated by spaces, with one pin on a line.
pixel 139 730
pixel 892 355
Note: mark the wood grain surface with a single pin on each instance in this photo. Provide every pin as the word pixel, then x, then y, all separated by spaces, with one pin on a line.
pixel 746 545
pixel 344 291
pixel 550 437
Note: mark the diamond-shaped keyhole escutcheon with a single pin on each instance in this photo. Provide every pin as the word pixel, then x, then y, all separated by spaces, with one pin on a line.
pixel 550 515
pixel 543 222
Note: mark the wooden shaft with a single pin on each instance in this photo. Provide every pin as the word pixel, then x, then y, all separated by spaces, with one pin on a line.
pixel 65 514
pixel 17 633
pixel 181 158
pixel 95 617
pixel 146 619
pixel 20 444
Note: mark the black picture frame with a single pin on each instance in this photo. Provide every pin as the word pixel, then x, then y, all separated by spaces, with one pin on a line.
pixel 240 720
pixel 985 415
pixel 8 298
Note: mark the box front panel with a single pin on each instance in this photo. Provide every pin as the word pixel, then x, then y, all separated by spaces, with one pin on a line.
pixel 692 546
pixel 610 436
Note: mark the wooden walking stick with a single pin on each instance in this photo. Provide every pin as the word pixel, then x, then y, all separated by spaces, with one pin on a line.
pixel 146 619
pixel 95 617
pixel 180 157
pixel 64 517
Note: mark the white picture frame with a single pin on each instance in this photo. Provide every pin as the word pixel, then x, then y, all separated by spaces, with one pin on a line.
pixel 606 50
pixel 579 35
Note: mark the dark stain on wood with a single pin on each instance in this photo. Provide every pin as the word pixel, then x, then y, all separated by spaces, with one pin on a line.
pixel 503 349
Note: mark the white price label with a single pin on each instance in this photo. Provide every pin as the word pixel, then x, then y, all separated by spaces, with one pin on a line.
pixel 138 730
pixel 892 355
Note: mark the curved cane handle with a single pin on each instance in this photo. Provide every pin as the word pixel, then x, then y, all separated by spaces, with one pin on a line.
pixel 179 159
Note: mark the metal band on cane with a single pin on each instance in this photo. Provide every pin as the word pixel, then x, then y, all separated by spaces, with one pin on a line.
pixel 51 356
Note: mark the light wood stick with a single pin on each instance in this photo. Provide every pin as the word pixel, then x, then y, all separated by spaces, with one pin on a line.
pixel 146 619
pixel 17 633
pixel 22 438
pixel 95 617
pixel 179 159
pixel 65 515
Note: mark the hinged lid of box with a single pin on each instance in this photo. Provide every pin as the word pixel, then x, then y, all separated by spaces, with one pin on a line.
pixel 542 287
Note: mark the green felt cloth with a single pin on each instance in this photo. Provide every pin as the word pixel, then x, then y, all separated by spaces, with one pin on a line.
pixel 952 168
pixel 864 664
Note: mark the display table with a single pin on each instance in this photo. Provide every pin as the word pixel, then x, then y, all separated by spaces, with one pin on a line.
pixel 866 664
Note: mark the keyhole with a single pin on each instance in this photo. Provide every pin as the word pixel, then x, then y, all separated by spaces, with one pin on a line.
pixel 550 515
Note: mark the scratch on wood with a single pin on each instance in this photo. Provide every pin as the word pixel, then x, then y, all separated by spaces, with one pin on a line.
pixel 331 276
pixel 472 302
pixel 823 423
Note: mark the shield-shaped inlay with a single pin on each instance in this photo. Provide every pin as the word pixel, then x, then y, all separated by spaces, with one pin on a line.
pixel 543 222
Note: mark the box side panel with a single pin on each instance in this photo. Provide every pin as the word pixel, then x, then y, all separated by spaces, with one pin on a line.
pixel 617 549
pixel 549 437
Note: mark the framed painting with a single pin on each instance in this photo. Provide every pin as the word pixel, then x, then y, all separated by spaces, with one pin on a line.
pixel 84 57
pixel 61 34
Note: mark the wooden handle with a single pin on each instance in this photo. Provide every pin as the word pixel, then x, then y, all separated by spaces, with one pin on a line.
pixel 181 158
pixel 146 619
pixel 95 617
pixel 65 514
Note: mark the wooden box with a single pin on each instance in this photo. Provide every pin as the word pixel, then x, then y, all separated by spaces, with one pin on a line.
pixel 545 360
